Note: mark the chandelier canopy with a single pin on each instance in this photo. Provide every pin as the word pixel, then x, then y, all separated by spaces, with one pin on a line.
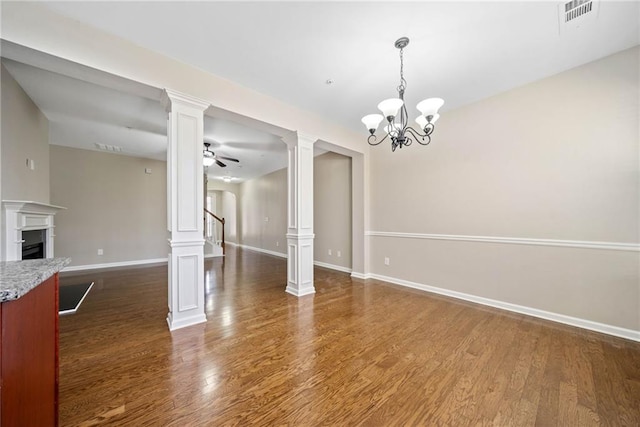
pixel 400 133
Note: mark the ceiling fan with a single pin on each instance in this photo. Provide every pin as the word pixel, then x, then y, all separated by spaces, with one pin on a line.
pixel 210 157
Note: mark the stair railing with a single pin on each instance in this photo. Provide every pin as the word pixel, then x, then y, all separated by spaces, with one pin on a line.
pixel 221 220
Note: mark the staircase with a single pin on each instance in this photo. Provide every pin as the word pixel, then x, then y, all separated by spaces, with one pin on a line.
pixel 213 247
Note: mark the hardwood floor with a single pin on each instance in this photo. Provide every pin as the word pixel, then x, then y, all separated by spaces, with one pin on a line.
pixel 355 353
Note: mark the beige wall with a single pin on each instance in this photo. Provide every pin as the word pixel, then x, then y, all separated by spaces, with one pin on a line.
pixel 111 203
pixel 263 220
pixel 332 209
pixel 555 159
pixel 229 211
pixel 25 135
pixel 266 197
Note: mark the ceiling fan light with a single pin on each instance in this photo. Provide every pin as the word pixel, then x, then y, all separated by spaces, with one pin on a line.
pixel 430 107
pixel 372 121
pixel 390 107
pixel 208 161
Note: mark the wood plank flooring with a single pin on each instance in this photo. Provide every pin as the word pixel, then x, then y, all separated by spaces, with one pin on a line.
pixel 355 353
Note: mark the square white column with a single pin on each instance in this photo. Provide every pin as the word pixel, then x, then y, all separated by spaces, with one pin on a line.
pixel 185 210
pixel 300 216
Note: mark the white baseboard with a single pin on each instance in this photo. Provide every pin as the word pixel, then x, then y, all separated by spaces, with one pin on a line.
pixel 114 264
pixel 617 331
pixel 213 256
pixel 362 276
pixel 283 255
pixel 332 266
pixel 264 251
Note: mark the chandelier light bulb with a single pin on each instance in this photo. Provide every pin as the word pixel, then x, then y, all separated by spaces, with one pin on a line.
pixel 391 130
pixel 430 107
pixel 422 121
pixel 372 121
pixel 390 107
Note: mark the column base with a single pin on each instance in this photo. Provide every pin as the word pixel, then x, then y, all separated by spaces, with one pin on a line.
pixel 184 322
pixel 300 292
pixel 186 284
pixel 300 264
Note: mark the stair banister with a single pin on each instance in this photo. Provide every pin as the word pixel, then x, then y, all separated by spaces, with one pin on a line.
pixel 222 221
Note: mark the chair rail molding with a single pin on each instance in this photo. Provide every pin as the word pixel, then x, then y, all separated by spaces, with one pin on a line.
pixel 616 246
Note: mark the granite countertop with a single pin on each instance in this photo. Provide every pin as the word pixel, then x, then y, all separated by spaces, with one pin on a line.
pixel 19 277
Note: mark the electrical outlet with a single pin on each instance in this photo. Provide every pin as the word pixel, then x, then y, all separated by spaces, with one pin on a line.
pixel 100 252
pixel 329 251
pixel 339 254
pixel 386 260
pixel 147 171
pixel 266 219
pixel 277 244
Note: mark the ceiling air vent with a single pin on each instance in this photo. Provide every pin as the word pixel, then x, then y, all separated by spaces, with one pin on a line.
pixel 576 13
pixel 111 148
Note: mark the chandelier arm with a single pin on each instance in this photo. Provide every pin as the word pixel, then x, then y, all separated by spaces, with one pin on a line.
pixel 419 136
pixel 373 138
pixel 404 117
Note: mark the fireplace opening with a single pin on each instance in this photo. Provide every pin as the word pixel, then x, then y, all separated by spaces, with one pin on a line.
pixel 33 245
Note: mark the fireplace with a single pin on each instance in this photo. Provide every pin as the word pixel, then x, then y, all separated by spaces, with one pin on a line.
pixel 28 230
pixel 33 244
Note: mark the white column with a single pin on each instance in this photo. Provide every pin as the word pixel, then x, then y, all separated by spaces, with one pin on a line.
pixel 185 209
pixel 300 216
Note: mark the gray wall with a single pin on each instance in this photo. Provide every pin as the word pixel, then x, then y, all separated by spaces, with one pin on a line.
pixel 555 159
pixel 112 204
pixel 229 211
pixel 263 210
pixel 266 198
pixel 332 209
pixel 25 135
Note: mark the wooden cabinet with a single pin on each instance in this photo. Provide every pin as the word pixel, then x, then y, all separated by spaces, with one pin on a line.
pixel 29 357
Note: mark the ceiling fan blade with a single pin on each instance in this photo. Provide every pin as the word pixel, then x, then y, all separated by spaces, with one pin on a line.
pixel 219 163
pixel 231 159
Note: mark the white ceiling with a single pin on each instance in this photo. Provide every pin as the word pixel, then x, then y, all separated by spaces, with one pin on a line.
pixel 83 114
pixel 460 51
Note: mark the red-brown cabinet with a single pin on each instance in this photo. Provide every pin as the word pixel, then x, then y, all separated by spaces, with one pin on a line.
pixel 29 357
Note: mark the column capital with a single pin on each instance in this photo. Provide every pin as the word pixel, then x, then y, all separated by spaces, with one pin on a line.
pixel 297 137
pixel 170 97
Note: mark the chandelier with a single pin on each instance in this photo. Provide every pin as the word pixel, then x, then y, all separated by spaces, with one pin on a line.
pixel 400 133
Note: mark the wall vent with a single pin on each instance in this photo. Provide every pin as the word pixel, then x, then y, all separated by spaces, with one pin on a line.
pixel 576 8
pixel 576 13
pixel 111 148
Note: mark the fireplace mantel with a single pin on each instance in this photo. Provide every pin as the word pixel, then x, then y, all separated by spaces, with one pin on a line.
pixel 24 215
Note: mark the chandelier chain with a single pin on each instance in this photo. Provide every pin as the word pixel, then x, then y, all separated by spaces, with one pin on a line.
pixel 403 82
